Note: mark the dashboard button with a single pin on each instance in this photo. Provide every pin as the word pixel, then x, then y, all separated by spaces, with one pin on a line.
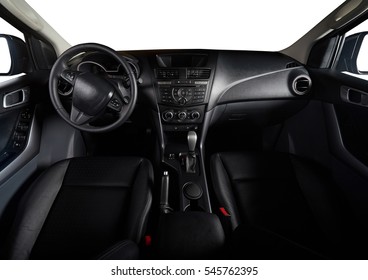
pixel 182 101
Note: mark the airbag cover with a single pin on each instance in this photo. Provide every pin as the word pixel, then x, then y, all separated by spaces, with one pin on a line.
pixel 91 93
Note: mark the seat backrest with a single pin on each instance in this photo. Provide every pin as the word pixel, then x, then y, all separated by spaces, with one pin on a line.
pixel 79 207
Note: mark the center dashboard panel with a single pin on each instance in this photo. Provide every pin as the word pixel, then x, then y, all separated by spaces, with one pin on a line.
pixel 183 84
pixel 182 81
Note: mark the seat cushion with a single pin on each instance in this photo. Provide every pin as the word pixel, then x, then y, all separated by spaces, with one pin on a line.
pixel 123 250
pixel 79 207
pixel 283 194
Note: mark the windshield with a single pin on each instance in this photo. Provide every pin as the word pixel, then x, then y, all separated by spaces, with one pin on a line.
pixel 267 25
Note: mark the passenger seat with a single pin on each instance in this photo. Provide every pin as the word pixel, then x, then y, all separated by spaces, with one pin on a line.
pixel 282 207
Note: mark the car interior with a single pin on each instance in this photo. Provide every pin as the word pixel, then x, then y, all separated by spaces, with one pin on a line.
pixel 184 153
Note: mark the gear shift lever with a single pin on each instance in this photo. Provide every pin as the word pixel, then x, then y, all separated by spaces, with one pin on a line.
pixel 192 141
pixel 191 160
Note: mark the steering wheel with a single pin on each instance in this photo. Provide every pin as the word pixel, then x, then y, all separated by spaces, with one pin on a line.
pixel 91 93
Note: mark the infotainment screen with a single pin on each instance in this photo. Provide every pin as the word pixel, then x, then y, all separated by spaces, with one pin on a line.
pixel 182 60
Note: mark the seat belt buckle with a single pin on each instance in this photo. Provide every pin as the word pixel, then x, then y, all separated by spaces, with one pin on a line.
pixel 224 212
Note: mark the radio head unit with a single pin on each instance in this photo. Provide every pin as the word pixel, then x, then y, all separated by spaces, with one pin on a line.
pixel 183 86
pixel 182 92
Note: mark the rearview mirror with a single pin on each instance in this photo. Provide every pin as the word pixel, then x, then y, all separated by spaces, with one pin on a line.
pixel 13 56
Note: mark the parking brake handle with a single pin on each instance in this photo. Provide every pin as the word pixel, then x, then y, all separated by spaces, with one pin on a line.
pixel 164 200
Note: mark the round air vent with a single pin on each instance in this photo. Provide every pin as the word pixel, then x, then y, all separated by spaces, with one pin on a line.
pixel 302 85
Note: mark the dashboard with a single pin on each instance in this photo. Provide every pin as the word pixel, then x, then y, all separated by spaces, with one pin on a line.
pixel 183 86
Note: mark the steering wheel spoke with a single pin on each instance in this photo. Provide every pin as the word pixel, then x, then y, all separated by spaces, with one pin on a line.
pixel 78 117
pixel 125 93
pixel 69 76
pixel 115 103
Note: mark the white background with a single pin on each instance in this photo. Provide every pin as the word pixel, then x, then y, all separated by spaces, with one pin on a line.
pixel 161 24
pixel 101 270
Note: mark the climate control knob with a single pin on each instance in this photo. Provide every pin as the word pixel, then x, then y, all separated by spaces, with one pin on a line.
pixel 195 115
pixel 182 115
pixel 168 115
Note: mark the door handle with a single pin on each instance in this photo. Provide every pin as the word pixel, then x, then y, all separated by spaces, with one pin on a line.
pixel 16 98
pixel 354 96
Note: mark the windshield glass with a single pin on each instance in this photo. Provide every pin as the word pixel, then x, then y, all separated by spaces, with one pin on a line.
pixel 166 24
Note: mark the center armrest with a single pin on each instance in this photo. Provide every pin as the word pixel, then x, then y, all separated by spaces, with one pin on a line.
pixel 190 235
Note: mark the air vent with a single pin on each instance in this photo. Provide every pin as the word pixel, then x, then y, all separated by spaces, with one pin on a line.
pixel 198 73
pixel 302 85
pixel 167 74
pixel 292 65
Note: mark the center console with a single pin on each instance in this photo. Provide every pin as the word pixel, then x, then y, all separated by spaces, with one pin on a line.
pixel 188 229
pixel 183 84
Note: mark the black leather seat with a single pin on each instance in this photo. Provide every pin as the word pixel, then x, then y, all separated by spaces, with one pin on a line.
pixel 282 207
pixel 84 208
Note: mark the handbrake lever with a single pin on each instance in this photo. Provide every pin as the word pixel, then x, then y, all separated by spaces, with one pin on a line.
pixel 164 200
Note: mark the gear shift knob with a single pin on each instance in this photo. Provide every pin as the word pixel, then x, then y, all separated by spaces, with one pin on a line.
pixel 192 141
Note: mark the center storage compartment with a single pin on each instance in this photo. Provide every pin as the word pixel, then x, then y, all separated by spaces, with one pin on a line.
pixel 190 235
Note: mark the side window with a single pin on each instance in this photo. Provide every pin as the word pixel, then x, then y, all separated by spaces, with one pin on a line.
pixel 353 59
pixel 362 58
pixel 6 63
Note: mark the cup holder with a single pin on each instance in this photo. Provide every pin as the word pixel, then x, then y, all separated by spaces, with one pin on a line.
pixel 192 191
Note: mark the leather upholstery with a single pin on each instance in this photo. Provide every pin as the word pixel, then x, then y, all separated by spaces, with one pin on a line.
pixel 123 250
pixel 190 235
pixel 35 209
pixel 283 195
pixel 79 207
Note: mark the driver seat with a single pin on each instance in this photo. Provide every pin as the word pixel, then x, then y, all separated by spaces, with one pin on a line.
pixel 84 208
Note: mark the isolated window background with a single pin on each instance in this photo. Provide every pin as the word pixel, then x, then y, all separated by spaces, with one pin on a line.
pixel 7 28
pixel 362 59
pixel 4 56
pixel 166 24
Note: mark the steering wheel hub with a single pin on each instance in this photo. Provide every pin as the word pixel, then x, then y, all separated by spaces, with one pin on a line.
pixel 91 93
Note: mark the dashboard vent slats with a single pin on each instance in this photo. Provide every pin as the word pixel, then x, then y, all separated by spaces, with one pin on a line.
pixel 167 74
pixel 292 65
pixel 302 85
pixel 198 73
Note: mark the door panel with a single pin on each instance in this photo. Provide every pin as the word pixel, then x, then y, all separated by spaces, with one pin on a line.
pixel 353 123
pixel 7 121
pixel 347 129
pixel 16 119
pixel 349 98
